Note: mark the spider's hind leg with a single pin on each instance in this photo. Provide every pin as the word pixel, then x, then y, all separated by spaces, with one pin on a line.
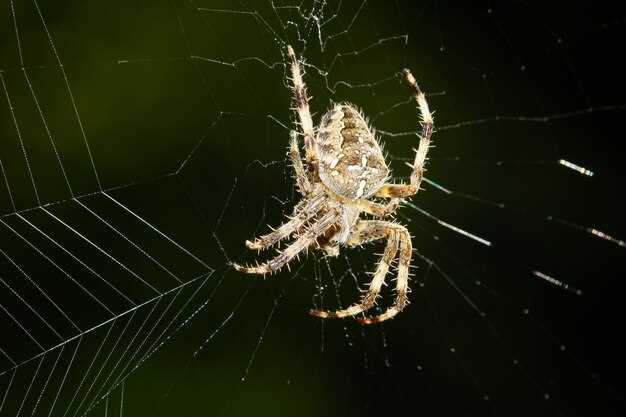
pixel 427 125
pixel 302 179
pixel 301 101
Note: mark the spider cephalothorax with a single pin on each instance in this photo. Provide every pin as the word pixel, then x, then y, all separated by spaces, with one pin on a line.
pixel 345 169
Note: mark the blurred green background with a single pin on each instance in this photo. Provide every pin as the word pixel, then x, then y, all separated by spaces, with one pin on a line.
pixel 170 121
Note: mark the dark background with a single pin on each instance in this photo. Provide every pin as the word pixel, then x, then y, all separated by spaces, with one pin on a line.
pixel 185 110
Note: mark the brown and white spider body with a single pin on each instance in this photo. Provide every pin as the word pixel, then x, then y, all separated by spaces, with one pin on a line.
pixel 344 169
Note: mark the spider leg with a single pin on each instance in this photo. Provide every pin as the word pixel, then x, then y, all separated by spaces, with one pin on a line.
pixel 368 231
pixel 301 243
pixel 426 122
pixel 402 281
pixel 301 101
pixel 331 250
pixel 379 210
pixel 302 180
pixel 303 212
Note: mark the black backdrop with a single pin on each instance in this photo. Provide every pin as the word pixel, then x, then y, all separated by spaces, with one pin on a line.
pixel 185 111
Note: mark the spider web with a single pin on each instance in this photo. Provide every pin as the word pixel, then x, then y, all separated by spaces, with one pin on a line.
pixel 142 145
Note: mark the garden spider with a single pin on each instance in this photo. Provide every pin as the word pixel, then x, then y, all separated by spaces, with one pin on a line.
pixel 344 169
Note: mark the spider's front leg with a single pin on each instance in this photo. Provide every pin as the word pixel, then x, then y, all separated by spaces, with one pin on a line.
pixel 402 280
pixel 379 210
pixel 302 243
pixel 302 213
pixel 397 236
pixel 427 124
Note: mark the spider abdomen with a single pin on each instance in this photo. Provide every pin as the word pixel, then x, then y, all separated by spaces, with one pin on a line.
pixel 351 162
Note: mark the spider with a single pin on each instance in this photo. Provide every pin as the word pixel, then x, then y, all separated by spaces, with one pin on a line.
pixel 344 169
